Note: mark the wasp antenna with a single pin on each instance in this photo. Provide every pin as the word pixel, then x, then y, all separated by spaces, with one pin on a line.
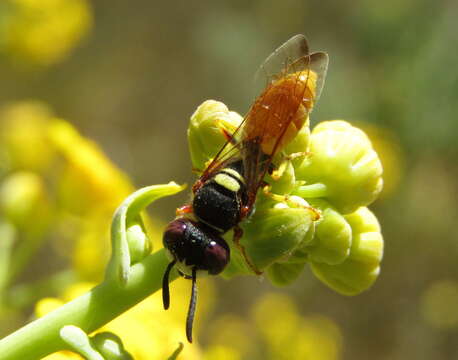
pixel 165 286
pixel 192 306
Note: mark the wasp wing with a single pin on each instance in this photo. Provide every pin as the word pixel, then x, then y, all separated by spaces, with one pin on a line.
pixel 296 62
pixel 291 58
pixel 272 68
pixel 275 64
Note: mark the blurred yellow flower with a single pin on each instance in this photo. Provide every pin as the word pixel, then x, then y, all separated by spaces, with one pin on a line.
pixel 23 197
pixel 146 330
pixel 220 352
pixel 90 187
pixel 85 189
pixel 275 331
pixel 290 336
pixel 43 32
pixel 90 180
pixel 23 134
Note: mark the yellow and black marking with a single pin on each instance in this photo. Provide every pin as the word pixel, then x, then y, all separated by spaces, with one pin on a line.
pixel 219 201
pixel 230 179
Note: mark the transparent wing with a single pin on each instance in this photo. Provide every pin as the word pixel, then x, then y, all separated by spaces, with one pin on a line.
pixel 229 152
pixel 275 64
pixel 319 64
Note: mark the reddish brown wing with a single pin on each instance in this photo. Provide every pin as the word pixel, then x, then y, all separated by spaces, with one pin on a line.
pixel 277 115
pixel 273 116
pixel 263 131
pixel 275 66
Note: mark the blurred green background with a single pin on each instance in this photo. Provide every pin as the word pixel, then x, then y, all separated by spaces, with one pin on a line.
pixel 128 75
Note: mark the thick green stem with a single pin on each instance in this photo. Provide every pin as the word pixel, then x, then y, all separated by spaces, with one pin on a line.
pixel 89 311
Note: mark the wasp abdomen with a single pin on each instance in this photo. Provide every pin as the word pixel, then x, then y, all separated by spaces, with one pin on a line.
pixel 218 202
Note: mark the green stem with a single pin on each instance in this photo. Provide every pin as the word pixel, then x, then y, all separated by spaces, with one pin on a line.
pixel 316 190
pixel 89 311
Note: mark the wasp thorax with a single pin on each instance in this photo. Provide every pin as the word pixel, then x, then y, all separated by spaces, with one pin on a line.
pixel 195 245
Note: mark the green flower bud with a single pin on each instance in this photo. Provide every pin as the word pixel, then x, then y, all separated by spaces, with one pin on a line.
pixel 271 235
pixel 206 131
pixel 300 144
pixel 282 274
pixel 137 239
pixel 362 267
pixel 302 140
pixel 110 346
pixel 342 165
pixel 301 254
pixel 283 179
pixel 333 234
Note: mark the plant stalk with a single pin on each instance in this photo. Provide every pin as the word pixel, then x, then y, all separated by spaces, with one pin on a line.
pixel 90 311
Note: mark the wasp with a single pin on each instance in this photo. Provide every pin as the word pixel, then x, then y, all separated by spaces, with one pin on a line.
pixel 226 191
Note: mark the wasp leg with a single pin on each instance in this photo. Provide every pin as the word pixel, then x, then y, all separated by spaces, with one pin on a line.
pixel 277 171
pixel 228 136
pixel 271 168
pixel 197 171
pixel 297 155
pixel 238 233
pixel 292 201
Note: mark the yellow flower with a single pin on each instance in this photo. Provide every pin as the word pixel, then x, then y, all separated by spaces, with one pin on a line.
pixel 23 134
pixel 90 180
pixel 276 331
pixel 91 187
pixel 43 32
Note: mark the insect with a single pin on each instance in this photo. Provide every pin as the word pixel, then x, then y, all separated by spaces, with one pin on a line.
pixel 225 193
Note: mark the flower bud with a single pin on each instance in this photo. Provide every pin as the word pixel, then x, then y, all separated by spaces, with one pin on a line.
pixel 137 239
pixel 362 267
pixel 282 274
pixel 332 241
pixel 206 131
pixel 300 144
pixel 271 235
pixel 343 160
pixel 283 179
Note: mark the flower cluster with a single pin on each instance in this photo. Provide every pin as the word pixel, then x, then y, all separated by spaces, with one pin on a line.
pixel 316 209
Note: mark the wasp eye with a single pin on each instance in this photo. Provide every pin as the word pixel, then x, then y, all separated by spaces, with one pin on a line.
pixel 195 245
pixel 216 255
